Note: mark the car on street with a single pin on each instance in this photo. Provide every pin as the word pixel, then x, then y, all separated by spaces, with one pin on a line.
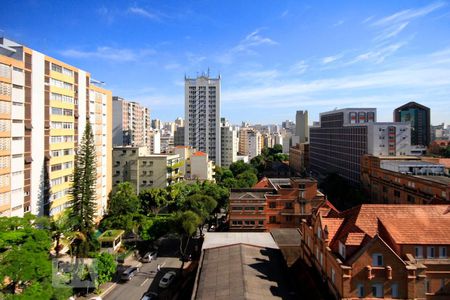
pixel 167 279
pixel 149 256
pixel 129 273
pixel 149 296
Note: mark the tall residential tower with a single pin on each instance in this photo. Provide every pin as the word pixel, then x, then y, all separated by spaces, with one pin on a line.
pixel 202 115
pixel 44 107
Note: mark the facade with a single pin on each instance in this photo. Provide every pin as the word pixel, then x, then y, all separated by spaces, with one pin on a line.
pixel 301 126
pixel 144 170
pixel 44 107
pixel 155 141
pixel 273 203
pixel 419 118
pixel 345 135
pixel 403 180
pixel 299 158
pixel 202 115
pixel 228 145
pixel 250 142
pixel 380 251
pixel 131 123
pixel 178 138
pixel 196 165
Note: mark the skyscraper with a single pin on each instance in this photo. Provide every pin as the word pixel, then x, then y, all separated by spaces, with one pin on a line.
pixel 44 107
pixel 202 115
pixel 301 126
pixel 419 117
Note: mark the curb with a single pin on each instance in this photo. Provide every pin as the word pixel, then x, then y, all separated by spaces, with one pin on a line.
pixel 106 292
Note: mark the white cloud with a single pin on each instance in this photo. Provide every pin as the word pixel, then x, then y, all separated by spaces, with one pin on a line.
pixel 338 23
pixel 330 59
pixel 391 31
pixel 109 53
pixel 378 55
pixel 299 67
pixel 408 14
pixel 194 58
pixel 285 13
pixel 144 13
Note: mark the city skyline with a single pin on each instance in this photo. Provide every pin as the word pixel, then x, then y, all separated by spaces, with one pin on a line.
pixel 280 56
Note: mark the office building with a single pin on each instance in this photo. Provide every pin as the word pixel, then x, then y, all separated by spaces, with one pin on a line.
pixel 299 159
pixel 380 251
pixel 178 137
pixel 143 169
pixel 44 107
pixel 345 135
pixel 301 126
pixel 419 118
pixel 202 115
pixel 131 123
pixel 404 180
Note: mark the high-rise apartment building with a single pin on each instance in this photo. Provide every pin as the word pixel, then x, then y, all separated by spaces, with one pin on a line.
pixel 202 115
pixel 131 123
pixel 250 142
pixel 229 143
pixel 419 117
pixel 44 107
pixel 178 137
pixel 301 126
pixel 345 135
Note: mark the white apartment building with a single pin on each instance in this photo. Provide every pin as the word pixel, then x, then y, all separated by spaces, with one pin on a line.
pixel 155 141
pixel 254 144
pixel 229 144
pixel 202 115
pixel 196 164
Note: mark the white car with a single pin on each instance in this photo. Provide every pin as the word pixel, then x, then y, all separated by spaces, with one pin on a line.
pixel 167 279
pixel 148 257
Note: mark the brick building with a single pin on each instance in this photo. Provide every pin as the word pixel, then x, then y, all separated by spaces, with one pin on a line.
pixel 299 158
pixel 405 180
pixel 273 203
pixel 381 251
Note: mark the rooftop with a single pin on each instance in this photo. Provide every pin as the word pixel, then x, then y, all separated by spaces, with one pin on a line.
pixel 218 239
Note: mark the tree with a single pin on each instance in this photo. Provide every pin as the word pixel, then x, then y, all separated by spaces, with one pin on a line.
pixel 247 179
pixel 277 148
pixel 26 271
pixel 240 167
pixel 83 191
pixel 186 224
pixel 124 200
pixel 105 266
pixel 202 205
pixel 153 200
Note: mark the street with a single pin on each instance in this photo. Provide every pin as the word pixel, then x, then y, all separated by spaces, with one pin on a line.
pixel 141 283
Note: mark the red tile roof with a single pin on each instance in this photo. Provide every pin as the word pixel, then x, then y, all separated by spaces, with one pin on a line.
pixel 264 182
pixel 199 153
pixel 333 225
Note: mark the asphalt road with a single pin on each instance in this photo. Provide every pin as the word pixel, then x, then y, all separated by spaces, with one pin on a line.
pixel 139 284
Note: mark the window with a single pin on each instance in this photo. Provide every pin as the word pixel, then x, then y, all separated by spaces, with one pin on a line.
pixel 360 290
pixel 272 205
pixel 427 286
pixel 419 251
pixel 288 205
pixel 430 252
pixel 394 290
pixel 377 260
pixel 377 290
pixel 411 199
pixel 397 193
pixel 272 219
pixel 442 252
pixel 333 275
pixel 342 249
pixel 319 232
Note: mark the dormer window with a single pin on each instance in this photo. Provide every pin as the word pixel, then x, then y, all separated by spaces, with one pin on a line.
pixel 418 251
pixel 342 249
pixel 377 260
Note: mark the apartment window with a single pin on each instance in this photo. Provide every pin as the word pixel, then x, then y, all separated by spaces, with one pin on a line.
pixel 397 193
pixel 261 222
pixel 377 290
pixel 288 205
pixel 442 252
pixel 394 290
pixel 419 251
pixel 430 252
pixel 333 275
pixel 411 199
pixel 342 249
pixel 272 205
pixel 360 290
pixel 377 260
pixel 272 219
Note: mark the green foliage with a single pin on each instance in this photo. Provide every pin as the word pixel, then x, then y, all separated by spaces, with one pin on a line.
pixel 153 200
pixel 124 200
pixel 128 222
pixel 83 191
pixel 240 167
pixel 247 179
pixel 105 266
pixel 25 261
pixel 186 223
pixel 152 228
pixel 277 148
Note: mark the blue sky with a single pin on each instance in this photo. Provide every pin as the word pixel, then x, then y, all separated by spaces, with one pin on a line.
pixel 275 57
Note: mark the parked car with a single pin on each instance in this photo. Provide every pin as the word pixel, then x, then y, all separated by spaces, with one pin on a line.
pixel 149 296
pixel 167 279
pixel 149 256
pixel 129 273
